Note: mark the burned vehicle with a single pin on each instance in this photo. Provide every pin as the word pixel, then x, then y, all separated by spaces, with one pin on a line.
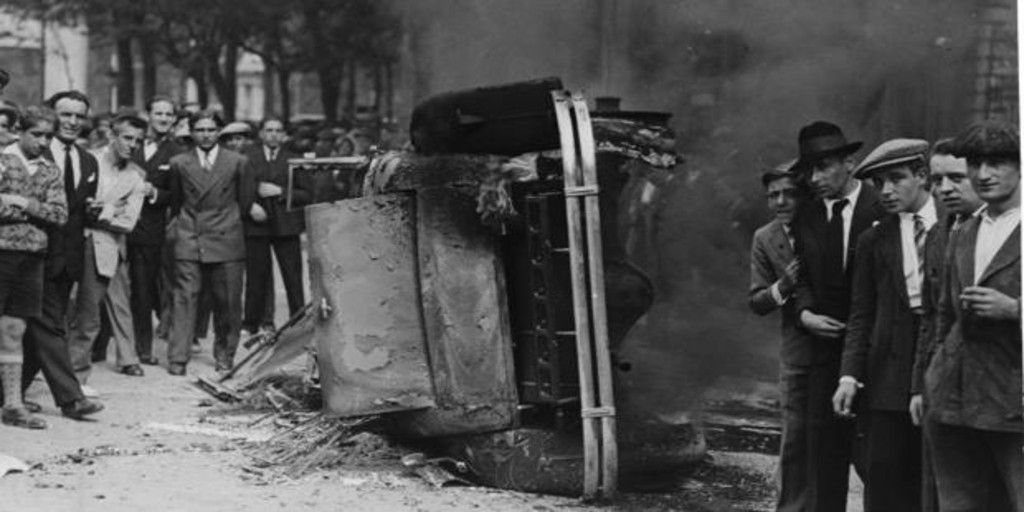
pixel 475 291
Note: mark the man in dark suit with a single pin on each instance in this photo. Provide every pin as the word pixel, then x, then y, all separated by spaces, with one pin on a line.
pixel 271 224
pixel 211 188
pixel 885 316
pixel 974 424
pixel 46 338
pixel 146 241
pixel 773 276
pixel 826 232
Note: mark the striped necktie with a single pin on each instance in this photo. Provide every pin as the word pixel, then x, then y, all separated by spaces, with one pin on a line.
pixel 920 234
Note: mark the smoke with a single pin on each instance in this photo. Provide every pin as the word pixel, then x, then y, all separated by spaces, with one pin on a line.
pixel 741 77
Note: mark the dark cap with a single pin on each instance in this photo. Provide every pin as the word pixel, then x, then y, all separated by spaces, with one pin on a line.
pixel 783 170
pixel 822 139
pixel 11 111
pixel 988 139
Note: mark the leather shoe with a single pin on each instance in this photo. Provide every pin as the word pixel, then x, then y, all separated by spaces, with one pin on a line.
pixel 149 360
pixel 177 369
pixel 79 409
pixel 21 418
pixel 132 370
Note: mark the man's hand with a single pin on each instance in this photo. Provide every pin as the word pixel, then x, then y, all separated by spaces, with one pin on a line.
pixel 148 190
pixel 842 400
pixel 14 200
pixel 267 189
pixel 917 409
pixel 788 280
pixel 257 213
pixel 821 325
pixel 990 303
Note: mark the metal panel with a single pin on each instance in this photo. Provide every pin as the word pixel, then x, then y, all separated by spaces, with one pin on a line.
pixel 370 337
pixel 466 317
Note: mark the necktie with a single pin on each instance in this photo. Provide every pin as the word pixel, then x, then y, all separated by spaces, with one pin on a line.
pixel 273 155
pixel 920 234
pixel 834 240
pixel 206 161
pixel 69 172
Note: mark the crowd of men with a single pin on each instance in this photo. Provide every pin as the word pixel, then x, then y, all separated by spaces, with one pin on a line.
pixel 96 244
pixel 898 279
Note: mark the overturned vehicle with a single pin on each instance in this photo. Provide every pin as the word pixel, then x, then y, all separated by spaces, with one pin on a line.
pixel 475 291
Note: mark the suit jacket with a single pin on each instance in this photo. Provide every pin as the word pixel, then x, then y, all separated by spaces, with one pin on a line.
pixel 66 246
pixel 931 292
pixel 810 230
pixel 121 194
pixel 882 330
pixel 153 219
pixel 974 379
pixel 280 221
pixel 770 253
pixel 208 206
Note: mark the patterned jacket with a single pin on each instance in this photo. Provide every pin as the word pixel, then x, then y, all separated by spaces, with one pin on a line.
pixel 24 230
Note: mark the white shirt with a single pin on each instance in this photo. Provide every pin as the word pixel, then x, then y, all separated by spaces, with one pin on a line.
pixel 847 215
pixel 149 149
pixel 57 147
pixel 992 234
pixel 911 265
pixel 211 155
pixel 30 165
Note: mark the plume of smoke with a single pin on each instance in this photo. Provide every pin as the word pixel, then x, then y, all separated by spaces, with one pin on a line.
pixel 740 77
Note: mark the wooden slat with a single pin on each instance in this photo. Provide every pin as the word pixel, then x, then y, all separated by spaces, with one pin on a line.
pixel 578 271
pixel 598 310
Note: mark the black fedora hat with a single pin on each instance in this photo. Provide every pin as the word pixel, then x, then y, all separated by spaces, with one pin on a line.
pixel 822 139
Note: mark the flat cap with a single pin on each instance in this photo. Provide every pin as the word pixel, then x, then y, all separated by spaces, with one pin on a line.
pixel 988 139
pixel 890 153
pixel 783 170
pixel 236 128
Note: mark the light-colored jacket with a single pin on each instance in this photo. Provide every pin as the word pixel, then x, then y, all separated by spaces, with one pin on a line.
pixel 120 191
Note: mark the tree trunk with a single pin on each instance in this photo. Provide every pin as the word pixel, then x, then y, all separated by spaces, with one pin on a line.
pixel 389 78
pixel 125 72
pixel 378 89
pixel 225 80
pixel 330 91
pixel 268 89
pixel 283 77
pixel 350 98
pixel 202 88
pixel 149 66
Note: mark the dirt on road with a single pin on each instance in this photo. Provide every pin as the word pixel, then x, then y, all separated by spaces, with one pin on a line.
pixel 157 445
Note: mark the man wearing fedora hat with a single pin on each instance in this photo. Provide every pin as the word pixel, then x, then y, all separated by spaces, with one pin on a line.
pixel 826 231
pixel 886 314
pixel 974 424
pixel 773 275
